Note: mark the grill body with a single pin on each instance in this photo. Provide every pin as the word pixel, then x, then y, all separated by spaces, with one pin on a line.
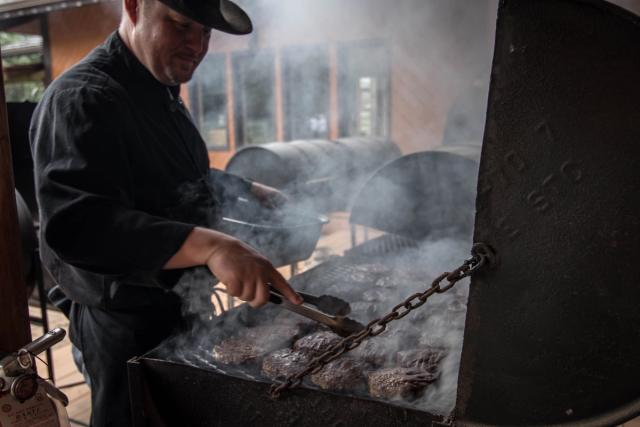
pixel 167 393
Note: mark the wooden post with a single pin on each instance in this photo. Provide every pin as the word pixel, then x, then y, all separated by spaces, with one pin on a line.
pixel 14 312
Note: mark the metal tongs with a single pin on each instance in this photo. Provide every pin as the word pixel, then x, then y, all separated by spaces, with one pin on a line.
pixel 326 309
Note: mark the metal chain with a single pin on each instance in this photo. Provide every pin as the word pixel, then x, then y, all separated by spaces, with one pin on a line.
pixel 481 255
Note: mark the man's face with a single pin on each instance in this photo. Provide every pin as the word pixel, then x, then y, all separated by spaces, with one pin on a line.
pixel 171 45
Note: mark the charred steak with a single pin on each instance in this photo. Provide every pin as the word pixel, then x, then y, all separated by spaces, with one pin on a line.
pixel 252 344
pixel 284 362
pixel 422 359
pixel 237 351
pixel 394 383
pixel 317 343
pixel 344 373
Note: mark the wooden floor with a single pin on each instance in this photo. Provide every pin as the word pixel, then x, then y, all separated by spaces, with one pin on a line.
pixel 335 239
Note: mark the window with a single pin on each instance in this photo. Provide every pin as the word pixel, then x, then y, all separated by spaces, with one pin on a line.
pixel 305 81
pixel 23 67
pixel 254 97
pixel 208 101
pixel 364 89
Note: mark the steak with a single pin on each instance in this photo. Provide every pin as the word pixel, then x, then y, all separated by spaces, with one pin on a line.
pixel 372 351
pixel 252 344
pixel 317 343
pixel 237 351
pixel 344 373
pixel 284 362
pixel 394 383
pixel 421 359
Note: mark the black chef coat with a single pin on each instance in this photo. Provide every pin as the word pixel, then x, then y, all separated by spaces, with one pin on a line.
pixel 121 175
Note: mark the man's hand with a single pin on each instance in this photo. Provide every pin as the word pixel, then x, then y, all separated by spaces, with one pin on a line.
pixel 241 268
pixel 268 196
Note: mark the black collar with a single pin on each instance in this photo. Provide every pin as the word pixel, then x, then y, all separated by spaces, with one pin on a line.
pixel 139 77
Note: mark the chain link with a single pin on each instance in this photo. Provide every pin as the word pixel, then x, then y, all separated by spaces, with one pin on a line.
pixel 481 254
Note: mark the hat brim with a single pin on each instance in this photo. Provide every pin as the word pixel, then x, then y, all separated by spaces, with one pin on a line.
pixel 224 15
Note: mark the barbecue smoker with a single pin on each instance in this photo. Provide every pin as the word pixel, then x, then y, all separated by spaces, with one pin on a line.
pixel 551 334
pixel 322 175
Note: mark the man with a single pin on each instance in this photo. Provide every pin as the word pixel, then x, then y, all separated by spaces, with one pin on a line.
pixel 114 152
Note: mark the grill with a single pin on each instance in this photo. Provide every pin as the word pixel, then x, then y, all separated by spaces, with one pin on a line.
pixel 550 336
pixel 372 276
pixel 187 359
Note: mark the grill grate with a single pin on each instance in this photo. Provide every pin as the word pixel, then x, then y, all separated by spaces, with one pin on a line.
pixel 381 246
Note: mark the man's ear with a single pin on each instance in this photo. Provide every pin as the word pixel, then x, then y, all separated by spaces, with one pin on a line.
pixel 132 9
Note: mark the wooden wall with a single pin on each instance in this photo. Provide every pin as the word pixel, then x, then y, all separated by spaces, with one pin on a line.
pixel 75 32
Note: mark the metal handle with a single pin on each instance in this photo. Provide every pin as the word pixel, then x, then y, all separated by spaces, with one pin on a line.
pixel 46 341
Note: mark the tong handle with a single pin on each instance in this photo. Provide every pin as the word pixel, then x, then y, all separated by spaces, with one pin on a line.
pixel 275 296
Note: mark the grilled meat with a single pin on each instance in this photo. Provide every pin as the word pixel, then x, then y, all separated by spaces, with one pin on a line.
pixel 344 373
pixel 252 344
pixel 375 295
pixel 317 343
pixel 367 310
pixel 421 359
pixel 238 351
pixel 400 279
pixel 284 362
pixel 372 268
pixel 394 383
pixel 372 351
pixel 362 276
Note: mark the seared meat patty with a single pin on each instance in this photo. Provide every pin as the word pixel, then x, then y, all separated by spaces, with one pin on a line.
pixel 367 310
pixel 375 295
pixel 251 344
pixel 422 359
pixel 238 351
pixel 344 373
pixel 393 383
pixel 372 268
pixel 401 279
pixel 284 362
pixel 372 351
pixel 317 343
pixel 273 336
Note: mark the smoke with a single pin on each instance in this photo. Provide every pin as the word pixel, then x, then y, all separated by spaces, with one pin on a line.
pixel 412 71
pixel 414 58
pixel 373 284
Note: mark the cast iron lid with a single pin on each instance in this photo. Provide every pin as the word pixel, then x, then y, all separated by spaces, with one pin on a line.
pixel 553 330
pixel 425 194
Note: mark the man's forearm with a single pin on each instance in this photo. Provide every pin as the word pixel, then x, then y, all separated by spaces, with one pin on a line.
pixel 200 244
pixel 246 273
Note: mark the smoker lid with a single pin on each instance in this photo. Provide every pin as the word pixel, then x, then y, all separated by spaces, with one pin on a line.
pixel 420 195
pixel 552 333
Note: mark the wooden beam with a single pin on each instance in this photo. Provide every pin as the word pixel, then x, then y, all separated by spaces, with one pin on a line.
pixel 334 110
pixel 279 116
pixel 14 312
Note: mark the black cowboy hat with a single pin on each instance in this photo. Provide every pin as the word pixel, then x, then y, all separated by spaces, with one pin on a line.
pixel 223 15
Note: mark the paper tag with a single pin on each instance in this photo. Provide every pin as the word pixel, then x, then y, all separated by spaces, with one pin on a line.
pixel 39 411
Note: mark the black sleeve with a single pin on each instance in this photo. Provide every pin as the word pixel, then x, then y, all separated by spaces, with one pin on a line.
pixel 84 187
pixel 229 186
